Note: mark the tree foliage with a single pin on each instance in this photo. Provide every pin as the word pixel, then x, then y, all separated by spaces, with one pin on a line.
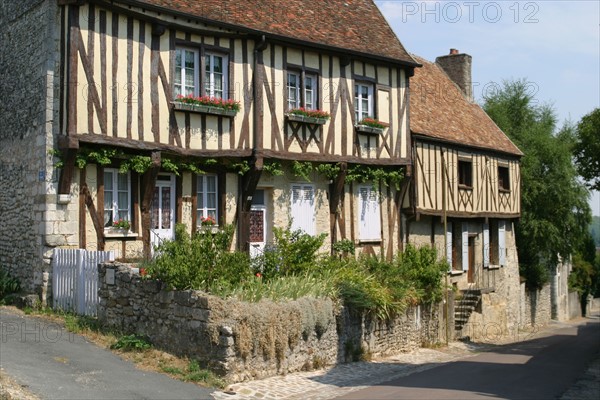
pixel 587 149
pixel 554 209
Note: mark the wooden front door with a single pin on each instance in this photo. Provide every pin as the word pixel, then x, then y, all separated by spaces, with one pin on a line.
pixel 258 224
pixel 471 272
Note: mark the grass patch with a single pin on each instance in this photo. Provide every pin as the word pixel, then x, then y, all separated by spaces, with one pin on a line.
pixel 131 343
pixel 193 373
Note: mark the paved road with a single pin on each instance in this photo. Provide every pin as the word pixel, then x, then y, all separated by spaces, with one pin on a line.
pixel 542 368
pixel 56 364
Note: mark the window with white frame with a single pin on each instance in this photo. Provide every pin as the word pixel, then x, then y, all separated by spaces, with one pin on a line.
pixel 215 77
pixel 301 93
pixel 187 75
pixel 303 208
pixel 363 101
pixel 187 72
pixel 369 227
pixel 117 196
pixel 207 198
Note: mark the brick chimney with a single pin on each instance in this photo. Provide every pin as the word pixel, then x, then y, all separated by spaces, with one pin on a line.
pixel 458 68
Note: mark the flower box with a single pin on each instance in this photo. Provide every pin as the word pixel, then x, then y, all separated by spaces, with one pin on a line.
pixel 305 119
pixel 368 129
pixel 203 109
pixel 117 232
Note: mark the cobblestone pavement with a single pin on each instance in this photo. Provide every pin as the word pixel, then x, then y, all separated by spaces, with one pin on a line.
pixel 342 379
pixel 347 378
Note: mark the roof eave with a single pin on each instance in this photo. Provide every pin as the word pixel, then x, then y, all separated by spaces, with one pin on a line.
pixel 425 136
pixel 268 35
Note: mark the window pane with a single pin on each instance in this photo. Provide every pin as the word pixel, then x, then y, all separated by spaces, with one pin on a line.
pixel 122 182
pixel 212 213
pixel 218 64
pixel 178 55
pixel 108 180
pixel 211 183
pixel 211 200
pixel 189 60
pixel 122 201
pixel 108 217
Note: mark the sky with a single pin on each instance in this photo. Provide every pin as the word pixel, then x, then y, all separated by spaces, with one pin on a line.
pixel 553 45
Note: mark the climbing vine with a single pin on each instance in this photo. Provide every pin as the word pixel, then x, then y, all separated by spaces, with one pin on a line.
pixel 329 171
pixel 273 167
pixel 302 169
pixel 364 173
pixel 59 163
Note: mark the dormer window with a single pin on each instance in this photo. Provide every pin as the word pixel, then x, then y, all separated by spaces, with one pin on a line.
pixel 363 101
pixel 301 92
pixel 465 174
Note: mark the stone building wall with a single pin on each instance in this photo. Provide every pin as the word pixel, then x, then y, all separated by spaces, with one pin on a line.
pixel 29 33
pixel 536 306
pixel 244 341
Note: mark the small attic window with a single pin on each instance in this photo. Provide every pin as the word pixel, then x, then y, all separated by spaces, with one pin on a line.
pixel 503 179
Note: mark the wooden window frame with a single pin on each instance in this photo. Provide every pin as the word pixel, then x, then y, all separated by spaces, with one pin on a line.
pixel 202 193
pixel 465 175
pixel 359 113
pixel 108 222
pixel 504 178
pixel 301 90
pixel 202 78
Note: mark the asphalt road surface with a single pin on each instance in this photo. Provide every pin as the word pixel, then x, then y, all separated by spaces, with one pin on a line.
pixel 542 368
pixel 56 364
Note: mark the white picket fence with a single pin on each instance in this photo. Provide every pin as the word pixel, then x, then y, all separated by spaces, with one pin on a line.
pixel 75 279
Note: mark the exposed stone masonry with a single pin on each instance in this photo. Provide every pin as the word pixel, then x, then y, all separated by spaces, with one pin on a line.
pixel 253 340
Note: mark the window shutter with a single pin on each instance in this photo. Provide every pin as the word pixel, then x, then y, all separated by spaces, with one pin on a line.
pixel 302 210
pixel 486 245
pixel 465 246
pixel 449 245
pixel 370 221
pixel 502 243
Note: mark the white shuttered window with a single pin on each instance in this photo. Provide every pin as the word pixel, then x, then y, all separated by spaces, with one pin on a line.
pixel 465 246
pixel 303 208
pixel 502 243
pixel 368 210
pixel 486 245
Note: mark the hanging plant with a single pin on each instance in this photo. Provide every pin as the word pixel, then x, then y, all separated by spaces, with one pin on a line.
pixel 168 165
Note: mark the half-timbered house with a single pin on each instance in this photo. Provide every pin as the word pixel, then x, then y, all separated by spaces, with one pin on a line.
pixel 130 149
pixel 465 191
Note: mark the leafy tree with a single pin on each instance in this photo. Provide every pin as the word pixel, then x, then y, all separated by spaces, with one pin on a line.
pixel 554 209
pixel 587 149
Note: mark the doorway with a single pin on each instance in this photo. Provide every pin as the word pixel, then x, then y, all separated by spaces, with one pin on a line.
pixel 471 271
pixel 162 224
pixel 258 224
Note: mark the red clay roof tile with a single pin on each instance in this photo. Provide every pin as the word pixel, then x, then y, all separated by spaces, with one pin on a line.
pixel 355 25
pixel 439 110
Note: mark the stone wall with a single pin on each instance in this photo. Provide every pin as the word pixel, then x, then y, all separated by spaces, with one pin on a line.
pixel 253 340
pixel 575 305
pixel 535 306
pixel 29 59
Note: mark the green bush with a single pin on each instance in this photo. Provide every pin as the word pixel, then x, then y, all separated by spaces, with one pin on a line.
pixel 8 285
pixel 199 262
pixel 293 252
pixel 131 343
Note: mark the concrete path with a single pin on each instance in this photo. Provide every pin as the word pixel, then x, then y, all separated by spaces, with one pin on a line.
pixel 55 364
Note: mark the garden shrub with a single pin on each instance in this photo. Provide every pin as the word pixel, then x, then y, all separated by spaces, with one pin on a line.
pixel 200 261
pixel 8 285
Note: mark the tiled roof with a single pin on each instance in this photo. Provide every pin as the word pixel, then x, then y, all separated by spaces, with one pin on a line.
pixel 354 25
pixel 440 111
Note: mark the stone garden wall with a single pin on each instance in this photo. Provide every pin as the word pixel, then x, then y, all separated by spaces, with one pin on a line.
pixel 244 341
pixel 536 306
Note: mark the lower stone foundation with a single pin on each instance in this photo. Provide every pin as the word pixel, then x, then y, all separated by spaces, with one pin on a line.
pixel 244 341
